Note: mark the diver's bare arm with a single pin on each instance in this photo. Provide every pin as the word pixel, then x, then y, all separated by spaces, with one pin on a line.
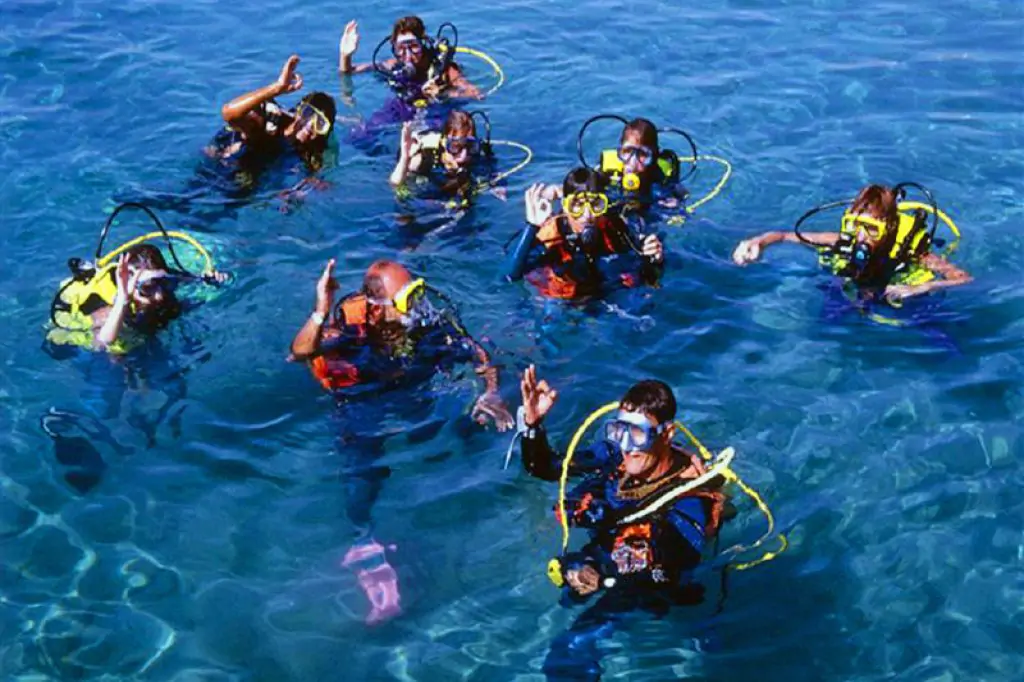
pixel 113 324
pixel 819 238
pixel 235 112
pixel 350 68
pixel 306 344
pixel 952 276
pixel 459 85
pixel 484 368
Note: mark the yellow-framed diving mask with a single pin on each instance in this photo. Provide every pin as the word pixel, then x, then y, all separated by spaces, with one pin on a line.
pixel 577 204
pixel 409 295
pixel 321 123
pixel 872 227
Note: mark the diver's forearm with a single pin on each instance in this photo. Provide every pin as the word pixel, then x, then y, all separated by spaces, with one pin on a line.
pixel 400 173
pixel 112 325
pixel 243 104
pixel 538 457
pixel 307 341
pixel 345 66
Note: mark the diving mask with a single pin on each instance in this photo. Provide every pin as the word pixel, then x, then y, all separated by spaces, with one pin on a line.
pixel 872 227
pixel 632 432
pixel 156 283
pixel 459 145
pixel 412 47
pixel 577 204
pixel 643 154
pixel 406 299
pixel 307 112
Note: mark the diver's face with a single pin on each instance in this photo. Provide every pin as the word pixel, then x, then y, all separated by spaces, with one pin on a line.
pixel 409 50
pixel 642 463
pixel 153 289
pixel 635 155
pixel 585 220
pixel 457 158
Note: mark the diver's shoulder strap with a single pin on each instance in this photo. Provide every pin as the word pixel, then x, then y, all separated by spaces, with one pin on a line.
pixel 352 309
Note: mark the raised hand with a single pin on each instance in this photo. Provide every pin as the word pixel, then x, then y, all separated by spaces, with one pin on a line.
pixel 349 42
pixel 290 80
pixel 538 205
pixel 325 288
pixel 538 397
pixel 125 279
pixel 408 141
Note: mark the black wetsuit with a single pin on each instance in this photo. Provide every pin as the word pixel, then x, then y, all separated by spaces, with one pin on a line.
pixel 650 559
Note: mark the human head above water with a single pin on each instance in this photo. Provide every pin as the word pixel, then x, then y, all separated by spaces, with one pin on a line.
pixel 407 36
pixel 879 203
pixel 460 140
pixel 153 295
pixel 654 401
pixel 639 133
pixel 314 112
pixel 578 184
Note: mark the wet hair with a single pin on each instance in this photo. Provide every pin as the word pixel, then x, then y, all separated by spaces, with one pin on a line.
pixel 459 124
pixel 881 203
pixel 410 24
pixel 323 102
pixel 584 180
pixel 652 397
pixel 155 317
pixel 146 257
pixel 312 152
pixel 644 129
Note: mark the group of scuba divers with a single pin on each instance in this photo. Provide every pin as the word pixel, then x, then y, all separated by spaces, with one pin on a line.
pixel 652 508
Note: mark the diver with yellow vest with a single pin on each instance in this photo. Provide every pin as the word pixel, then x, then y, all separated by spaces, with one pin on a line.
pixel 884 244
pixel 650 508
pixel 643 174
pixel 128 293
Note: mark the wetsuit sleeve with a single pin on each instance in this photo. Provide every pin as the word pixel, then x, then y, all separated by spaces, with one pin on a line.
pixel 682 537
pixel 542 461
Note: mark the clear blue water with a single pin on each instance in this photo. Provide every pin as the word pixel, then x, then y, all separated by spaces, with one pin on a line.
pixel 209 550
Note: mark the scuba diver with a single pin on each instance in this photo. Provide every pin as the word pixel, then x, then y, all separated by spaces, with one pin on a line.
pixel 260 137
pixel 575 253
pixel 113 305
pixel 445 158
pixel 642 174
pixel 422 69
pixel 386 335
pixel 883 245
pixel 260 130
pixel 650 509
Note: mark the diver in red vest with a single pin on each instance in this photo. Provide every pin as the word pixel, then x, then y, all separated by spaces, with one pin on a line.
pixel 586 249
pixel 395 332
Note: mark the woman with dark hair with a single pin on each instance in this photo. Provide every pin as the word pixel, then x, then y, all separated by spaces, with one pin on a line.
pixel 262 127
pixel 567 255
pixel 876 253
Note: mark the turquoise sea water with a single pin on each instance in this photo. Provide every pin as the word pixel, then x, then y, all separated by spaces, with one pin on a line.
pixel 209 548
